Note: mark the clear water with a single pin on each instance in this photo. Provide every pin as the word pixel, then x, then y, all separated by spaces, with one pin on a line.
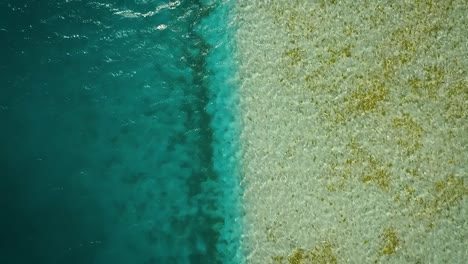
pixel 118 132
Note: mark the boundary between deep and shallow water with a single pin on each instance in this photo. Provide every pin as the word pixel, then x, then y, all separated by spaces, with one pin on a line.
pixel 218 31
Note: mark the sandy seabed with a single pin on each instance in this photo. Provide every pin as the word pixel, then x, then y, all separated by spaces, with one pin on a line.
pixel 355 130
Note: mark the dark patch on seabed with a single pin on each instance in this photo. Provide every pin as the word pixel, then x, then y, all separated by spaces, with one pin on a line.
pixel 105 141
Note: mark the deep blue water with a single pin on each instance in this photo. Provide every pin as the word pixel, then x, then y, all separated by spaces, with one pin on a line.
pixel 118 132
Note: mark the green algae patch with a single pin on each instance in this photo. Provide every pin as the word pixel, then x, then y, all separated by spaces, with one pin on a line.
pixel 446 194
pixel 298 257
pixel 367 97
pixel 323 253
pixel 457 106
pixel 361 164
pixel 278 259
pixel 408 133
pixel 390 242
pixel 434 202
pixel 296 55
pixel 428 86
pixel 379 176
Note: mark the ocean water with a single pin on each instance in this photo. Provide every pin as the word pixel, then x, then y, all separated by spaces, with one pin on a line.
pixel 118 132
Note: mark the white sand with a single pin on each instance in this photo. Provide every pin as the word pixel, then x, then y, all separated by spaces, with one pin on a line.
pixel 355 130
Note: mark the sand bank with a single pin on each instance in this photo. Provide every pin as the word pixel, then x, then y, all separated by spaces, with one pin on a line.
pixel 355 131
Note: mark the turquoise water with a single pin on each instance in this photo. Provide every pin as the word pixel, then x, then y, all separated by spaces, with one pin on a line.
pixel 118 132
